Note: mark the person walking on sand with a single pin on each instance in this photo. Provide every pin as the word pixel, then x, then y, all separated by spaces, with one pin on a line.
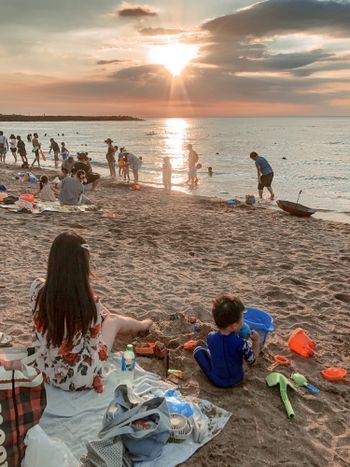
pixel 21 149
pixel 167 172
pixel 36 150
pixel 56 150
pixel 111 150
pixel 4 145
pixel 265 174
pixel 192 162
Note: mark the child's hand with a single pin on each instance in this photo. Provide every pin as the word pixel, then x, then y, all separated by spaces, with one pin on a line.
pixel 254 336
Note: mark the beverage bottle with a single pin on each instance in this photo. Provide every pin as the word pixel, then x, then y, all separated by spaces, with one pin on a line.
pixel 128 366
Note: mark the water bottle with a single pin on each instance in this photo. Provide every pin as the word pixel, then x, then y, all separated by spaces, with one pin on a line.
pixel 128 366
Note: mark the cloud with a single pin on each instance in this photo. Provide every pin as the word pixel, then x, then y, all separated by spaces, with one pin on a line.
pixel 159 31
pixel 109 62
pixel 128 10
pixel 272 17
pixel 46 15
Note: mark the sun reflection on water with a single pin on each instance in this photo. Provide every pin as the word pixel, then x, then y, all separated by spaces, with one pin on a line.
pixel 176 137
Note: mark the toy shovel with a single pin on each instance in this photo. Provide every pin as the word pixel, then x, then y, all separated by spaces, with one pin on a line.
pixel 274 379
pixel 300 380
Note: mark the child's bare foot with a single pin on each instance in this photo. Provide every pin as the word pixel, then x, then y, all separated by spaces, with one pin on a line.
pixel 146 324
pixel 272 197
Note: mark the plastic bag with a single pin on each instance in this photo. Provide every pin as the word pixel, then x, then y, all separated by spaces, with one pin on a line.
pixel 175 402
pixel 43 451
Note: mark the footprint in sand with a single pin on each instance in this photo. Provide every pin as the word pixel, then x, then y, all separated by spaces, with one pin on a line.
pixel 343 297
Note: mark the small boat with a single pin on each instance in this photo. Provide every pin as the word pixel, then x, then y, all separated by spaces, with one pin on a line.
pixel 295 209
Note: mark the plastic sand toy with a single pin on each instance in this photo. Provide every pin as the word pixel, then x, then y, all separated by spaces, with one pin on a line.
pixel 274 379
pixel 300 380
pixel 300 343
pixel 334 374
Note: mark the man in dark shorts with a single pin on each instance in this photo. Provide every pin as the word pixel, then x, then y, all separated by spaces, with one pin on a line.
pixel 265 174
pixel 56 150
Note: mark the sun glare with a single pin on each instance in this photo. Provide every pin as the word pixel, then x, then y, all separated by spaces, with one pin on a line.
pixel 174 57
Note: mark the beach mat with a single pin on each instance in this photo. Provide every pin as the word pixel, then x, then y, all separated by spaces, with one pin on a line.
pixel 76 417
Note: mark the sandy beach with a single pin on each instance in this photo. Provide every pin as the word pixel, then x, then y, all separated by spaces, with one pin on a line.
pixel 155 255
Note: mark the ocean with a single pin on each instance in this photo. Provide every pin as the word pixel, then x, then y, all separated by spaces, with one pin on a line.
pixel 308 154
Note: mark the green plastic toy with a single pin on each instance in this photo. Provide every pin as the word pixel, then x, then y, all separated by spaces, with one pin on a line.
pixel 274 379
pixel 300 380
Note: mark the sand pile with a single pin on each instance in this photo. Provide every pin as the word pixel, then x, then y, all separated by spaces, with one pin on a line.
pixel 157 255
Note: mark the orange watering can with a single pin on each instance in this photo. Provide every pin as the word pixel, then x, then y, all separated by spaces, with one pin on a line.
pixel 300 343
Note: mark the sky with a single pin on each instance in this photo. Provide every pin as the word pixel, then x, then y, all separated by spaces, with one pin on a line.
pixel 184 58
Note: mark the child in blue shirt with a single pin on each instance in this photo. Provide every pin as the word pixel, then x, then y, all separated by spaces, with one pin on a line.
pixel 221 359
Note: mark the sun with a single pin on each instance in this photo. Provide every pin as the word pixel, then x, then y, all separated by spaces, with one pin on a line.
pixel 174 57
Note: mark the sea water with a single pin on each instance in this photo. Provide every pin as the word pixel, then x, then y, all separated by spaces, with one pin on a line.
pixel 308 154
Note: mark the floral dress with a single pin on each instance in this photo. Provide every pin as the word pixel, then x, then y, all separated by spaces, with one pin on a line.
pixel 72 367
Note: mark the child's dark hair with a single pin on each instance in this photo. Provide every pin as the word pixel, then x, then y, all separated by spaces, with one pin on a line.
pixel 227 310
pixel 43 181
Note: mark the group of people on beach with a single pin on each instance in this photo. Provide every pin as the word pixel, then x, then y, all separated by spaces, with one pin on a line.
pixel 126 161
pixel 74 332
pixel 17 146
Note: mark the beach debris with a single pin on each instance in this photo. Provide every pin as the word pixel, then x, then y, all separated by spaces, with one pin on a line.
pixel 197 328
pixel 279 360
pixel 5 340
pixel 152 349
pixel 300 343
pixel 109 215
pixel 274 379
pixel 190 345
pixel 250 200
pixel 231 201
pixel 192 319
pixel 178 373
pixel 173 316
pixel 136 186
pixel 300 380
pixel 334 374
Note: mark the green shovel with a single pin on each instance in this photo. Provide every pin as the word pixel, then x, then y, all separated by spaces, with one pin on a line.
pixel 274 379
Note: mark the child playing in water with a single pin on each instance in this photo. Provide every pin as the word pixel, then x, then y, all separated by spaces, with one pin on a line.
pixel 222 358
pixel 166 172
pixel 45 193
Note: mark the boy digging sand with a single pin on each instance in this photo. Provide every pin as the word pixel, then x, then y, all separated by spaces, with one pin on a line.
pixel 222 359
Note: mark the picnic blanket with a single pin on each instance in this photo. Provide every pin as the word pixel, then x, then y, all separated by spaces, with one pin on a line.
pixel 76 417
pixel 53 206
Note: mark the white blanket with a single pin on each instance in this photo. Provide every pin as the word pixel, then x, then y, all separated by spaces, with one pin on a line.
pixel 76 417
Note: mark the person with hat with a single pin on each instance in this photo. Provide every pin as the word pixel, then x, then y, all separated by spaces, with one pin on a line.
pixel 110 156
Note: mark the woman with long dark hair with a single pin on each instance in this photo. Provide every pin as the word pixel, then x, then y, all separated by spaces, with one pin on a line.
pixel 73 331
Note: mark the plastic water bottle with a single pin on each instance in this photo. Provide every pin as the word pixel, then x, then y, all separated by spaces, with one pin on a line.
pixel 128 366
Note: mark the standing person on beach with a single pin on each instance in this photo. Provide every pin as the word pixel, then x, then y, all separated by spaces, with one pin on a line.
pixel 111 150
pixel 13 146
pixel 21 148
pixel 265 174
pixel 36 150
pixel 4 145
pixel 73 332
pixel 134 163
pixel 192 162
pixel 167 172
pixel 56 150
pixel 64 151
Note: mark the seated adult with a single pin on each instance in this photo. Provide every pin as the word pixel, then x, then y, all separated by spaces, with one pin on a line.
pixel 73 332
pixel 72 190
pixel 68 164
pixel 83 163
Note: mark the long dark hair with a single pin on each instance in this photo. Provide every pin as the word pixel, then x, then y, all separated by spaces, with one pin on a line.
pixel 66 303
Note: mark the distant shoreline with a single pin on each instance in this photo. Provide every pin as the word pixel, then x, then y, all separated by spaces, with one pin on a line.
pixel 66 118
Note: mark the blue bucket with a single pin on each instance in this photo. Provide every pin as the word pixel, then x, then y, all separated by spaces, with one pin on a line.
pixel 260 321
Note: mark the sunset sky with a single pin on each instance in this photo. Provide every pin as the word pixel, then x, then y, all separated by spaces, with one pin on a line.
pixel 179 58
